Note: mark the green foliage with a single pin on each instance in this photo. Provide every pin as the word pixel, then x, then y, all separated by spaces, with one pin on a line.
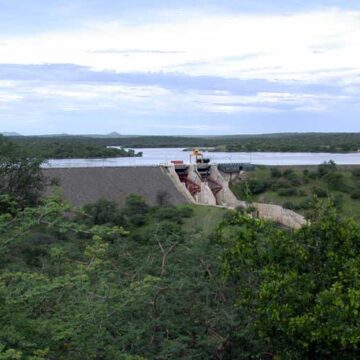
pixel 319 192
pixel 356 173
pixel 66 292
pixel 20 175
pixel 298 292
pixel 327 168
pixel 335 181
pixel 355 194
pixel 316 142
pixel 289 205
pixel 288 192
pixel 61 148
pixel 275 172
pixel 103 212
pixel 256 186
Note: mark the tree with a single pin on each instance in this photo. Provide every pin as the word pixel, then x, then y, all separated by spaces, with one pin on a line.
pixel 20 174
pixel 298 292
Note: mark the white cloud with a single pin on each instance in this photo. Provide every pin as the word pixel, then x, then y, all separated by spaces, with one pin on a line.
pixel 304 47
pixel 269 102
pixel 9 98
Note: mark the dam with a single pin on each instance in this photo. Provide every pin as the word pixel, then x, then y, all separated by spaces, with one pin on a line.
pixel 202 184
pixel 182 184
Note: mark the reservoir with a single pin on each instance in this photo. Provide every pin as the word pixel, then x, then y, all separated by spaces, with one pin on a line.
pixel 160 156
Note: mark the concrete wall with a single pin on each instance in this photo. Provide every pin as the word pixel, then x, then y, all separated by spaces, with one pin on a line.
pixel 205 196
pixel 224 197
pixel 181 187
pixel 86 185
pixel 280 215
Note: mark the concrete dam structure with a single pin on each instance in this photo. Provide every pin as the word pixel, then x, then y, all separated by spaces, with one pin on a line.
pixel 203 184
pixel 81 186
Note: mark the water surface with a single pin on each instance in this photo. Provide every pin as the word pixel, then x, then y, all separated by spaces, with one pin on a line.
pixel 159 156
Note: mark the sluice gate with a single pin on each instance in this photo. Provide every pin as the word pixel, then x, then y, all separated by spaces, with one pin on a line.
pixel 205 183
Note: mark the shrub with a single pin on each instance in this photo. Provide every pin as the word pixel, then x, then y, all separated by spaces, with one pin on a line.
pixel 313 175
pixel 326 168
pixel 288 173
pixel 281 184
pixel 136 205
pixel 289 205
pixel 319 192
pixel 186 212
pixel 306 204
pixel 275 173
pixel 255 186
pixel 301 193
pixel 355 194
pixel 335 181
pixel 356 173
pixel 104 212
pixel 288 192
pixel 338 201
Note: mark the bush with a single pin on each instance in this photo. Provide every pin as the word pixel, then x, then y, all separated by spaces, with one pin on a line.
pixel 281 184
pixel 186 212
pixel 288 192
pixel 356 173
pixel 168 213
pixel 306 204
pixel 301 193
pixel 338 201
pixel 275 173
pixel 104 212
pixel 313 176
pixel 255 186
pixel 136 205
pixel 336 181
pixel 319 192
pixel 288 173
pixel 355 194
pixel 292 176
pixel 289 205
pixel 326 168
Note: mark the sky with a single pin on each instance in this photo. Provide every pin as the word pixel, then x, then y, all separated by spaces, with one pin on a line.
pixel 179 67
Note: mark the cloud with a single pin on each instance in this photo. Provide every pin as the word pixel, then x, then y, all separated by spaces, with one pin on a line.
pixel 71 88
pixel 9 98
pixel 305 47
pixel 134 51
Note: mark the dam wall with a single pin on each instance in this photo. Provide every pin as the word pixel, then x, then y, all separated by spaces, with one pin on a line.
pixel 81 186
pixel 225 196
pixel 205 195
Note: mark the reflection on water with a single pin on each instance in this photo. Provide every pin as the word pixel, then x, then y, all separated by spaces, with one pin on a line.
pixel 160 156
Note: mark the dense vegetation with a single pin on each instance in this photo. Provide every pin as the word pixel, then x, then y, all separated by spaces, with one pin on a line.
pixel 164 282
pixel 296 142
pixel 55 148
pixel 294 187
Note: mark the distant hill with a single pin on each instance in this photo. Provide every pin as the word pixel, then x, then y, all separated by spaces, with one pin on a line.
pixel 112 135
pixel 10 134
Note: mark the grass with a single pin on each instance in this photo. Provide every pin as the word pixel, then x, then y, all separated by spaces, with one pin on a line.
pixel 304 185
pixel 205 218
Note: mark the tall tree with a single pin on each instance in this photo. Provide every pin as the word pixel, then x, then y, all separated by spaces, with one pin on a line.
pixel 298 292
